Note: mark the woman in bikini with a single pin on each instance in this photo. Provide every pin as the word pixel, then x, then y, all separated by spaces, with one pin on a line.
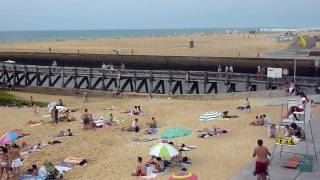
pixel 16 162
pixel 4 162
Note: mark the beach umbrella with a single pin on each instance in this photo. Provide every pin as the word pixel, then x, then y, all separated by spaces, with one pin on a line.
pixel 163 150
pixel 51 105
pixel 189 176
pixel 171 133
pixel 11 136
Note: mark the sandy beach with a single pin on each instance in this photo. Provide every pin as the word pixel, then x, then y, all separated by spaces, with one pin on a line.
pixel 230 45
pixel 112 153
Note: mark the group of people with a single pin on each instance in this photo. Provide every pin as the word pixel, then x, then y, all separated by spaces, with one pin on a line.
pixel 294 130
pixel 226 69
pixel 159 164
pixel 107 66
pixel 10 161
pixel 136 111
pixel 261 120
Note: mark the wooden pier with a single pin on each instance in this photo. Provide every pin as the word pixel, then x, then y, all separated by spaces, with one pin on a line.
pixel 140 81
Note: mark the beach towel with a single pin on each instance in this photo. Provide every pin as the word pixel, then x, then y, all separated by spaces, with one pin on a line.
pixel 293 162
pixel 151 168
pixel 74 160
pixel 38 124
pixel 209 116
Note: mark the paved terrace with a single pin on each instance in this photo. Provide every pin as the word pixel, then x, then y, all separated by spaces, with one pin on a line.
pixel 280 173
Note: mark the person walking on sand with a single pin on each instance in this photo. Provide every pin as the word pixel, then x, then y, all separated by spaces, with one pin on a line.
pixel 261 152
pixel 86 118
pixel 85 96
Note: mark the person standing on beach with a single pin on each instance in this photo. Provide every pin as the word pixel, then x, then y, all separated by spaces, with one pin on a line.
pixel 226 69
pixel 85 96
pixel 261 152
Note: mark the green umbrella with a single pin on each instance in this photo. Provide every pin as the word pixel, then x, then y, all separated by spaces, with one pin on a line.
pixel 175 132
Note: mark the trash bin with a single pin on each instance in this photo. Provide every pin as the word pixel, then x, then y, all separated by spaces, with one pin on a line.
pixel 306 163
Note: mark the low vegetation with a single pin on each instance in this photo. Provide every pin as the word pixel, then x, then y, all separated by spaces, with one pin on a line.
pixel 7 99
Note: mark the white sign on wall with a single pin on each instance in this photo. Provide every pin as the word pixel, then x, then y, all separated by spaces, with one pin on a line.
pixel 274 72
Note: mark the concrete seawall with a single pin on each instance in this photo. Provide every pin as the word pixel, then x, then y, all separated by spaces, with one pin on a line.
pixel 306 67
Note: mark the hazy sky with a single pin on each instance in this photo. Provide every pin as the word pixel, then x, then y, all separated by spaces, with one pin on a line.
pixel 142 14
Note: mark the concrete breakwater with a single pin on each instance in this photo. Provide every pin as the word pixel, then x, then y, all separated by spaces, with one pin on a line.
pixel 305 67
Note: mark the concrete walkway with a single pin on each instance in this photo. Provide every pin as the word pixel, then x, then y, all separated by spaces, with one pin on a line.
pixel 277 172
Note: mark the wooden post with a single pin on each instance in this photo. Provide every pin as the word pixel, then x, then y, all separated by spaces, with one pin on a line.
pixel 187 80
pixel 15 75
pixel 119 79
pixel 90 79
pixel 135 81
pixel 62 76
pixel 49 76
pixel 26 75
pixel 170 82
pixel 205 82
pixel 38 76
pixel 103 88
pixel 75 84
pixel 151 81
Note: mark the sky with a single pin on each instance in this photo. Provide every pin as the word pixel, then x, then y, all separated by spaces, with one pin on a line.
pixel 21 15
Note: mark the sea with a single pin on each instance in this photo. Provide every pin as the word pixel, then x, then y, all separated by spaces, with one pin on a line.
pixel 63 35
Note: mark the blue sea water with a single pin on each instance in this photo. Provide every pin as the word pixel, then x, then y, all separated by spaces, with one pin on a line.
pixel 27 36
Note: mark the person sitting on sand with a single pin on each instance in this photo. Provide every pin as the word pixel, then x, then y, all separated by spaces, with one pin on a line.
pixel 141 169
pixel 153 123
pixel 152 160
pixel 257 122
pixel 86 117
pixel 266 120
pixel 134 127
pixel 135 110
pixel 34 170
pixel 159 167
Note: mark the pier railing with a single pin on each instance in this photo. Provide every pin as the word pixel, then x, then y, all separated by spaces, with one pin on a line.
pixel 155 81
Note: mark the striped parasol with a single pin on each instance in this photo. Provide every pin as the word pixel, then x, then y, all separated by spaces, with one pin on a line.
pixel 163 150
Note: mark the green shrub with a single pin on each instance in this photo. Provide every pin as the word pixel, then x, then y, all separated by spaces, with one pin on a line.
pixel 7 99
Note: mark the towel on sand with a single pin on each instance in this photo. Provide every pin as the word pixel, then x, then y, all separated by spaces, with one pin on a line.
pixel 209 116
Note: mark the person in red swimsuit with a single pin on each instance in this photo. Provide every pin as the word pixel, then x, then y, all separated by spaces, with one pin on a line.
pixel 141 168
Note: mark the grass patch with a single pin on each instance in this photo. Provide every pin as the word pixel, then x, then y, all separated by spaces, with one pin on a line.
pixel 7 99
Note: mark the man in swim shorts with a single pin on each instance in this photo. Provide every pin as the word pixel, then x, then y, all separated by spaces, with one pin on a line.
pixel 262 160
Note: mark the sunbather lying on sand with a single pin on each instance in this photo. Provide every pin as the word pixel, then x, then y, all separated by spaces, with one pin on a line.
pixel 35 121
pixel 141 169
pixel 206 132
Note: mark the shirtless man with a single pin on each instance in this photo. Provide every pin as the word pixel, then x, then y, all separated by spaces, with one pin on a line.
pixel 141 168
pixel 262 160
pixel 159 167
pixel 86 117
pixel 15 160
